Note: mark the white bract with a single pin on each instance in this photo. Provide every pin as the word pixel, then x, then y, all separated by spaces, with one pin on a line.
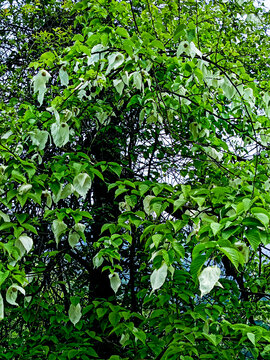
pixel 74 313
pixel 60 133
pixel 74 236
pixel 4 216
pixel 97 53
pixel 63 76
pixel 82 184
pixel 1 307
pixel 12 293
pixel 23 189
pixel 115 281
pixel 119 85
pixel 39 138
pixel 39 81
pixel 24 243
pixel 58 228
pixel 243 248
pixel 189 49
pixel 158 277
pixel 114 60
pixel 146 204
pixel 47 194
pixel 137 80
pixel 97 260
pixel 208 279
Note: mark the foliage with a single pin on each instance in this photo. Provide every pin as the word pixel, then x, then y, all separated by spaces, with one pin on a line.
pixel 134 179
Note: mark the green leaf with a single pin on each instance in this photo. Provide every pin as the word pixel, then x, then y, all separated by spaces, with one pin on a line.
pixel 72 353
pixel 139 334
pixel 232 255
pixel 122 32
pixel 179 249
pixel 214 339
pixel 128 47
pixel 196 265
pixel 252 338
pixel 3 276
pixel 114 318
pixel 82 184
pixel 116 168
pixel 157 44
pixel 85 50
pixel 216 227
pixel 201 247
pixel 179 202
pixel 18 176
pixel 157 239
pixel 78 37
pixel 261 214
pixel 254 238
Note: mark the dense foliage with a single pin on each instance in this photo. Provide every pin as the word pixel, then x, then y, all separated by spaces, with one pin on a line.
pixel 134 180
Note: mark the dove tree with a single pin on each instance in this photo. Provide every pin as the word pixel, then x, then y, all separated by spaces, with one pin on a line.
pixel 134 179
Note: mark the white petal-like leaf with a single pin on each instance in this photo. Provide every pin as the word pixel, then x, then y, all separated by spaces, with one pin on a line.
pixel 119 85
pixel 63 77
pixel 67 191
pixel 60 133
pixel 58 228
pixel 208 279
pixel 244 249
pixel 26 242
pixel 47 194
pixel 183 47
pixel 97 260
pixel 23 189
pixel 4 216
pixel 12 293
pixel 115 60
pixel 39 81
pixel 82 184
pixel 1 308
pixel 125 78
pixel 74 236
pixel 137 80
pixel 194 51
pixel 158 277
pixel 146 204
pixel 39 138
pixel 74 313
pixel 115 281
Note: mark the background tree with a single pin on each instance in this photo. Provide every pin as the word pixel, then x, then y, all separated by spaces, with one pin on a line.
pixel 134 180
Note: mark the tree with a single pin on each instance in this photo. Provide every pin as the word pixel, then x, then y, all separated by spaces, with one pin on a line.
pixel 134 181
